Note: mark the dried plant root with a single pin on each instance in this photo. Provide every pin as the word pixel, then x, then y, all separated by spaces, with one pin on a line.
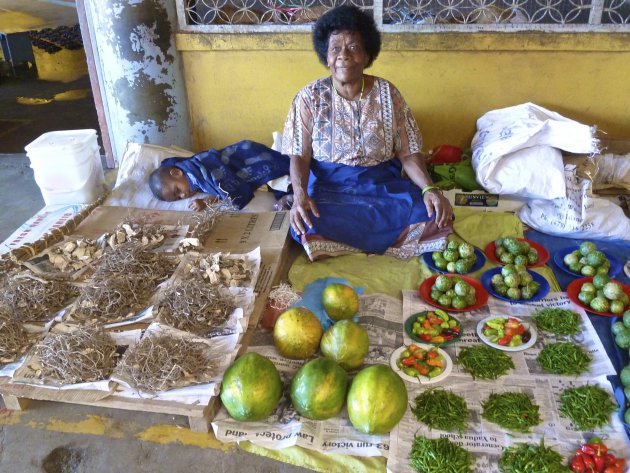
pixel 162 362
pixel 203 222
pixel 219 269
pixel 83 355
pixel 29 297
pixel 14 340
pixel 282 296
pixel 74 255
pixel 193 305
pixel 125 279
pixel 127 232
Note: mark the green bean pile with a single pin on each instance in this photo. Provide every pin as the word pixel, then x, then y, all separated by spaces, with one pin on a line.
pixel 527 458
pixel 484 362
pixel 512 411
pixel 557 321
pixel 588 407
pixel 564 358
pixel 439 456
pixel 441 409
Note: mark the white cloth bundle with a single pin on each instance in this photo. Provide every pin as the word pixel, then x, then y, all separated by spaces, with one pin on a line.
pixel 517 150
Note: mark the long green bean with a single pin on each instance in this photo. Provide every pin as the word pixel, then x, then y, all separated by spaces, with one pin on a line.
pixel 484 362
pixel 441 409
pixel 439 456
pixel 512 411
pixel 588 406
pixel 557 321
pixel 528 458
pixel 564 358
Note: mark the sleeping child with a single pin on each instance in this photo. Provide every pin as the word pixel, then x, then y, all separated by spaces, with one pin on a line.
pixel 233 172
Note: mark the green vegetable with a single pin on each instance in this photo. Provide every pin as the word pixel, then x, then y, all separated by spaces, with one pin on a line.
pixel 588 407
pixel 557 321
pixel 512 411
pixel 441 409
pixel 618 327
pixel 564 358
pixel 439 456
pixel 626 318
pixel 624 376
pixel 587 247
pixel 528 458
pixel 484 362
pixel 612 290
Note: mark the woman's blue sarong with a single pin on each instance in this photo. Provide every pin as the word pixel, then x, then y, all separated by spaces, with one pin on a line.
pixel 235 171
pixel 364 207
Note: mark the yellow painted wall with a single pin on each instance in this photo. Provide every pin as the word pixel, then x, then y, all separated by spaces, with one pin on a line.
pixel 241 86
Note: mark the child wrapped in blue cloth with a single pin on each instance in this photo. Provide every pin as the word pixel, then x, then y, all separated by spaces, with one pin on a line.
pixel 234 172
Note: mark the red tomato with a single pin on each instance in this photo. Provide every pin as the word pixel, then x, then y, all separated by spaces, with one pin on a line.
pixel 445 154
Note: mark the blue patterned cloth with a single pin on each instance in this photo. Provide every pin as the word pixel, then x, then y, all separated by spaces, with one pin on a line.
pixel 235 171
pixel 620 250
pixel 364 207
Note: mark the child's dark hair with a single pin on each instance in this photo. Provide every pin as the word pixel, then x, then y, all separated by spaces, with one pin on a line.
pixel 155 181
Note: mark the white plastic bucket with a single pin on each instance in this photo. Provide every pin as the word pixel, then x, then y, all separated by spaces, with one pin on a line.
pixel 67 166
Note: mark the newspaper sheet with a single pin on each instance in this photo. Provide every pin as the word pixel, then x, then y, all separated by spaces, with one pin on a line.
pixel 524 361
pixel 487 440
pixel 380 315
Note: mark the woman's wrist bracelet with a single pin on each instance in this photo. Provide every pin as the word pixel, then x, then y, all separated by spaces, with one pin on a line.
pixel 426 189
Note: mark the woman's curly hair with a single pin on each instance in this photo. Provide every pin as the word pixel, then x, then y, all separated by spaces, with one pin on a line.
pixel 346 18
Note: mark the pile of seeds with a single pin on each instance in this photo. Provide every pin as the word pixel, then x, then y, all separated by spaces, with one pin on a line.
pixel 194 306
pixel 29 297
pixel 161 362
pixel 82 355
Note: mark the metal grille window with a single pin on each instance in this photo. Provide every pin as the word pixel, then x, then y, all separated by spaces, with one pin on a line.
pixel 409 15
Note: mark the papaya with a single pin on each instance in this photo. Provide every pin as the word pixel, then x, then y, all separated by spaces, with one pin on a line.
pixel 318 389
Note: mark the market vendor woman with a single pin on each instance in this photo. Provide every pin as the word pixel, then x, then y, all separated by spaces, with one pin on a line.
pixel 349 136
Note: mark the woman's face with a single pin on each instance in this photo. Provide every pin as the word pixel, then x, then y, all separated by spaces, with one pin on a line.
pixel 346 56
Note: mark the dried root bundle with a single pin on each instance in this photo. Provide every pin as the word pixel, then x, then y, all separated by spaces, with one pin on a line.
pixel 125 279
pixel 137 260
pixel 203 223
pixel 282 296
pixel 194 306
pixel 111 297
pixel 29 297
pixel 14 340
pixel 219 269
pixel 162 362
pixel 74 255
pixel 83 355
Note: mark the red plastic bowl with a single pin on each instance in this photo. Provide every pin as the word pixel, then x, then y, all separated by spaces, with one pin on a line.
pixel 543 254
pixel 482 295
pixel 573 289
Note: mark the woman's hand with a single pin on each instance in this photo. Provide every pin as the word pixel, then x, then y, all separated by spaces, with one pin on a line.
pixel 300 212
pixel 438 204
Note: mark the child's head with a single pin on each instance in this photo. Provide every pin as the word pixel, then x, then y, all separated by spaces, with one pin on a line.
pixel 169 184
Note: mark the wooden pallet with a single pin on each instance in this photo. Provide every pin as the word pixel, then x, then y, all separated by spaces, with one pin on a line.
pixel 241 233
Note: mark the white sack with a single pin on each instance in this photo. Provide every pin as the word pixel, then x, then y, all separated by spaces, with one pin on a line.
pixel 516 150
pixel 612 171
pixel 578 215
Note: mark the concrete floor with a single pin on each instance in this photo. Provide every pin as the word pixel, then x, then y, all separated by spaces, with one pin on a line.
pixel 63 438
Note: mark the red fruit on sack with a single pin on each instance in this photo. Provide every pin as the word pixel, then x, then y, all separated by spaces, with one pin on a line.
pixel 445 154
